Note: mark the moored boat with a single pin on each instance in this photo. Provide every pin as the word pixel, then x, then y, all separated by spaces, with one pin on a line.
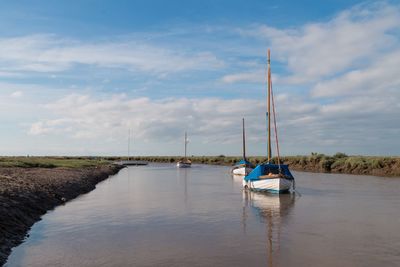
pixel 243 167
pixel 270 177
pixel 185 162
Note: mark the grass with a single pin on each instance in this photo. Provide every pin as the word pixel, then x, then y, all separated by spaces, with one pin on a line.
pixel 51 162
pixel 338 163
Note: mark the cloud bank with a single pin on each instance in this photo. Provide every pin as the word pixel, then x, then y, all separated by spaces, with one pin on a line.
pixel 50 53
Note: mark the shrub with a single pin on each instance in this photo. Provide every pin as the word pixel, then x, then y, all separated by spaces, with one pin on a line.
pixel 340 155
pixel 326 164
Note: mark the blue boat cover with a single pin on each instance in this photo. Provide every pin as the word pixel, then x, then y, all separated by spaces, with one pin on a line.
pixel 244 162
pixel 266 168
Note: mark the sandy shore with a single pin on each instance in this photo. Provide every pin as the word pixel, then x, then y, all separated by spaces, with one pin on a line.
pixel 28 193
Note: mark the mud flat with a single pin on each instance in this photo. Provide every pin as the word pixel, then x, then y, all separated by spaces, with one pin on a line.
pixel 28 193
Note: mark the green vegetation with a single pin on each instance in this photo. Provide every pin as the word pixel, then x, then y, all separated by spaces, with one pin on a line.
pixel 51 162
pixel 338 163
pixel 341 163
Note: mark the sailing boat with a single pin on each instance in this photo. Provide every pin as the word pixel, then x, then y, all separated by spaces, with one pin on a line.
pixel 243 167
pixel 129 162
pixel 267 176
pixel 185 163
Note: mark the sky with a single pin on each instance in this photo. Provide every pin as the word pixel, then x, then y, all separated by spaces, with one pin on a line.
pixel 75 76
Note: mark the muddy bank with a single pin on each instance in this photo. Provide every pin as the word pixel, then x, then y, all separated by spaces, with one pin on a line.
pixel 28 193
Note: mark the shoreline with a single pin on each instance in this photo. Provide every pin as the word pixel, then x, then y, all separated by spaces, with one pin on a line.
pixel 317 163
pixel 28 193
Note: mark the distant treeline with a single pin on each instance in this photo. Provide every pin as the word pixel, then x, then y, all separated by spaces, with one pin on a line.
pixel 338 163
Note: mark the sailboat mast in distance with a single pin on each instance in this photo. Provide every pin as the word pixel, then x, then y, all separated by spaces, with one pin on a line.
pixel 185 163
pixel 244 141
pixel 129 143
pixel 185 143
pixel 269 106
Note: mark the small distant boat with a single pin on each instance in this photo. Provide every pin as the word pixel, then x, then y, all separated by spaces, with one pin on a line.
pixel 185 163
pixel 267 176
pixel 243 167
pixel 130 162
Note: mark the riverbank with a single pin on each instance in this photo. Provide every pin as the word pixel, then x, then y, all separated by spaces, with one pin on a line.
pixel 29 187
pixel 338 163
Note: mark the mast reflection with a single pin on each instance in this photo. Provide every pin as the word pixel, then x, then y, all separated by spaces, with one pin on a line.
pixel 272 210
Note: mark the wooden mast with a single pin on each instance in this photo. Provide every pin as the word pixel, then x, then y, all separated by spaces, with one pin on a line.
pixel 244 141
pixel 269 106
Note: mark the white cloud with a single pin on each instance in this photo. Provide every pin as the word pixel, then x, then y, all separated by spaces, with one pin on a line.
pixel 254 77
pixel 379 78
pixel 344 125
pixel 49 53
pixel 84 116
pixel 353 38
pixel 16 94
pixel 38 128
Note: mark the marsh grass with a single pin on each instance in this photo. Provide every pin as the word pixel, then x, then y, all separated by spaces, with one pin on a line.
pixel 51 162
pixel 316 162
pixel 338 163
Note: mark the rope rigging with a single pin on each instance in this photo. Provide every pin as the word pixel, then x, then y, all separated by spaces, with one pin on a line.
pixel 276 129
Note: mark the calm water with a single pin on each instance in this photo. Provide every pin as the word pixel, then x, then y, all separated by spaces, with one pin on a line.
pixel 163 216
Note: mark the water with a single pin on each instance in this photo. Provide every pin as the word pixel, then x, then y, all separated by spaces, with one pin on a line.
pixel 159 215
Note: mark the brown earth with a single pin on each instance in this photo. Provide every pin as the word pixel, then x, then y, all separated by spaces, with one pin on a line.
pixel 28 193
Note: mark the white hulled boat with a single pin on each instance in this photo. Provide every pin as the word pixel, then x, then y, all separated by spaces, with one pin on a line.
pixel 185 162
pixel 243 167
pixel 267 176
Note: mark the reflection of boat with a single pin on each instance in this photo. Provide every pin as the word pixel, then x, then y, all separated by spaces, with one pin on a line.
pixel 243 167
pixel 268 176
pixel 272 210
pixel 267 204
pixel 183 177
pixel 185 162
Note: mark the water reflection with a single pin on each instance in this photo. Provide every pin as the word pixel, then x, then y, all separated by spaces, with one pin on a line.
pixel 160 216
pixel 272 209
pixel 237 178
pixel 182 175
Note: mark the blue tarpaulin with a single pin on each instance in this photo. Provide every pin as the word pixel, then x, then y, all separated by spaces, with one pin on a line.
pixel 266 168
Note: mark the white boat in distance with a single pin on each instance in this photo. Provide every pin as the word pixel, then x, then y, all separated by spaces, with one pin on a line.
pixel 185 162
pixel 243 167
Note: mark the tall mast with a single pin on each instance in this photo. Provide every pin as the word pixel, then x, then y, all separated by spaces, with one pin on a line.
pixel 129 143
pixel 185 143
pixel 244 141
pixel 269 106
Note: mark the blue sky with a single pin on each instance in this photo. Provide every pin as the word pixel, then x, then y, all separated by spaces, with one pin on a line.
pixel 76 75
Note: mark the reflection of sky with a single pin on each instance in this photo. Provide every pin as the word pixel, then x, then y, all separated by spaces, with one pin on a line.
pixel 144 216
pixel 141 216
